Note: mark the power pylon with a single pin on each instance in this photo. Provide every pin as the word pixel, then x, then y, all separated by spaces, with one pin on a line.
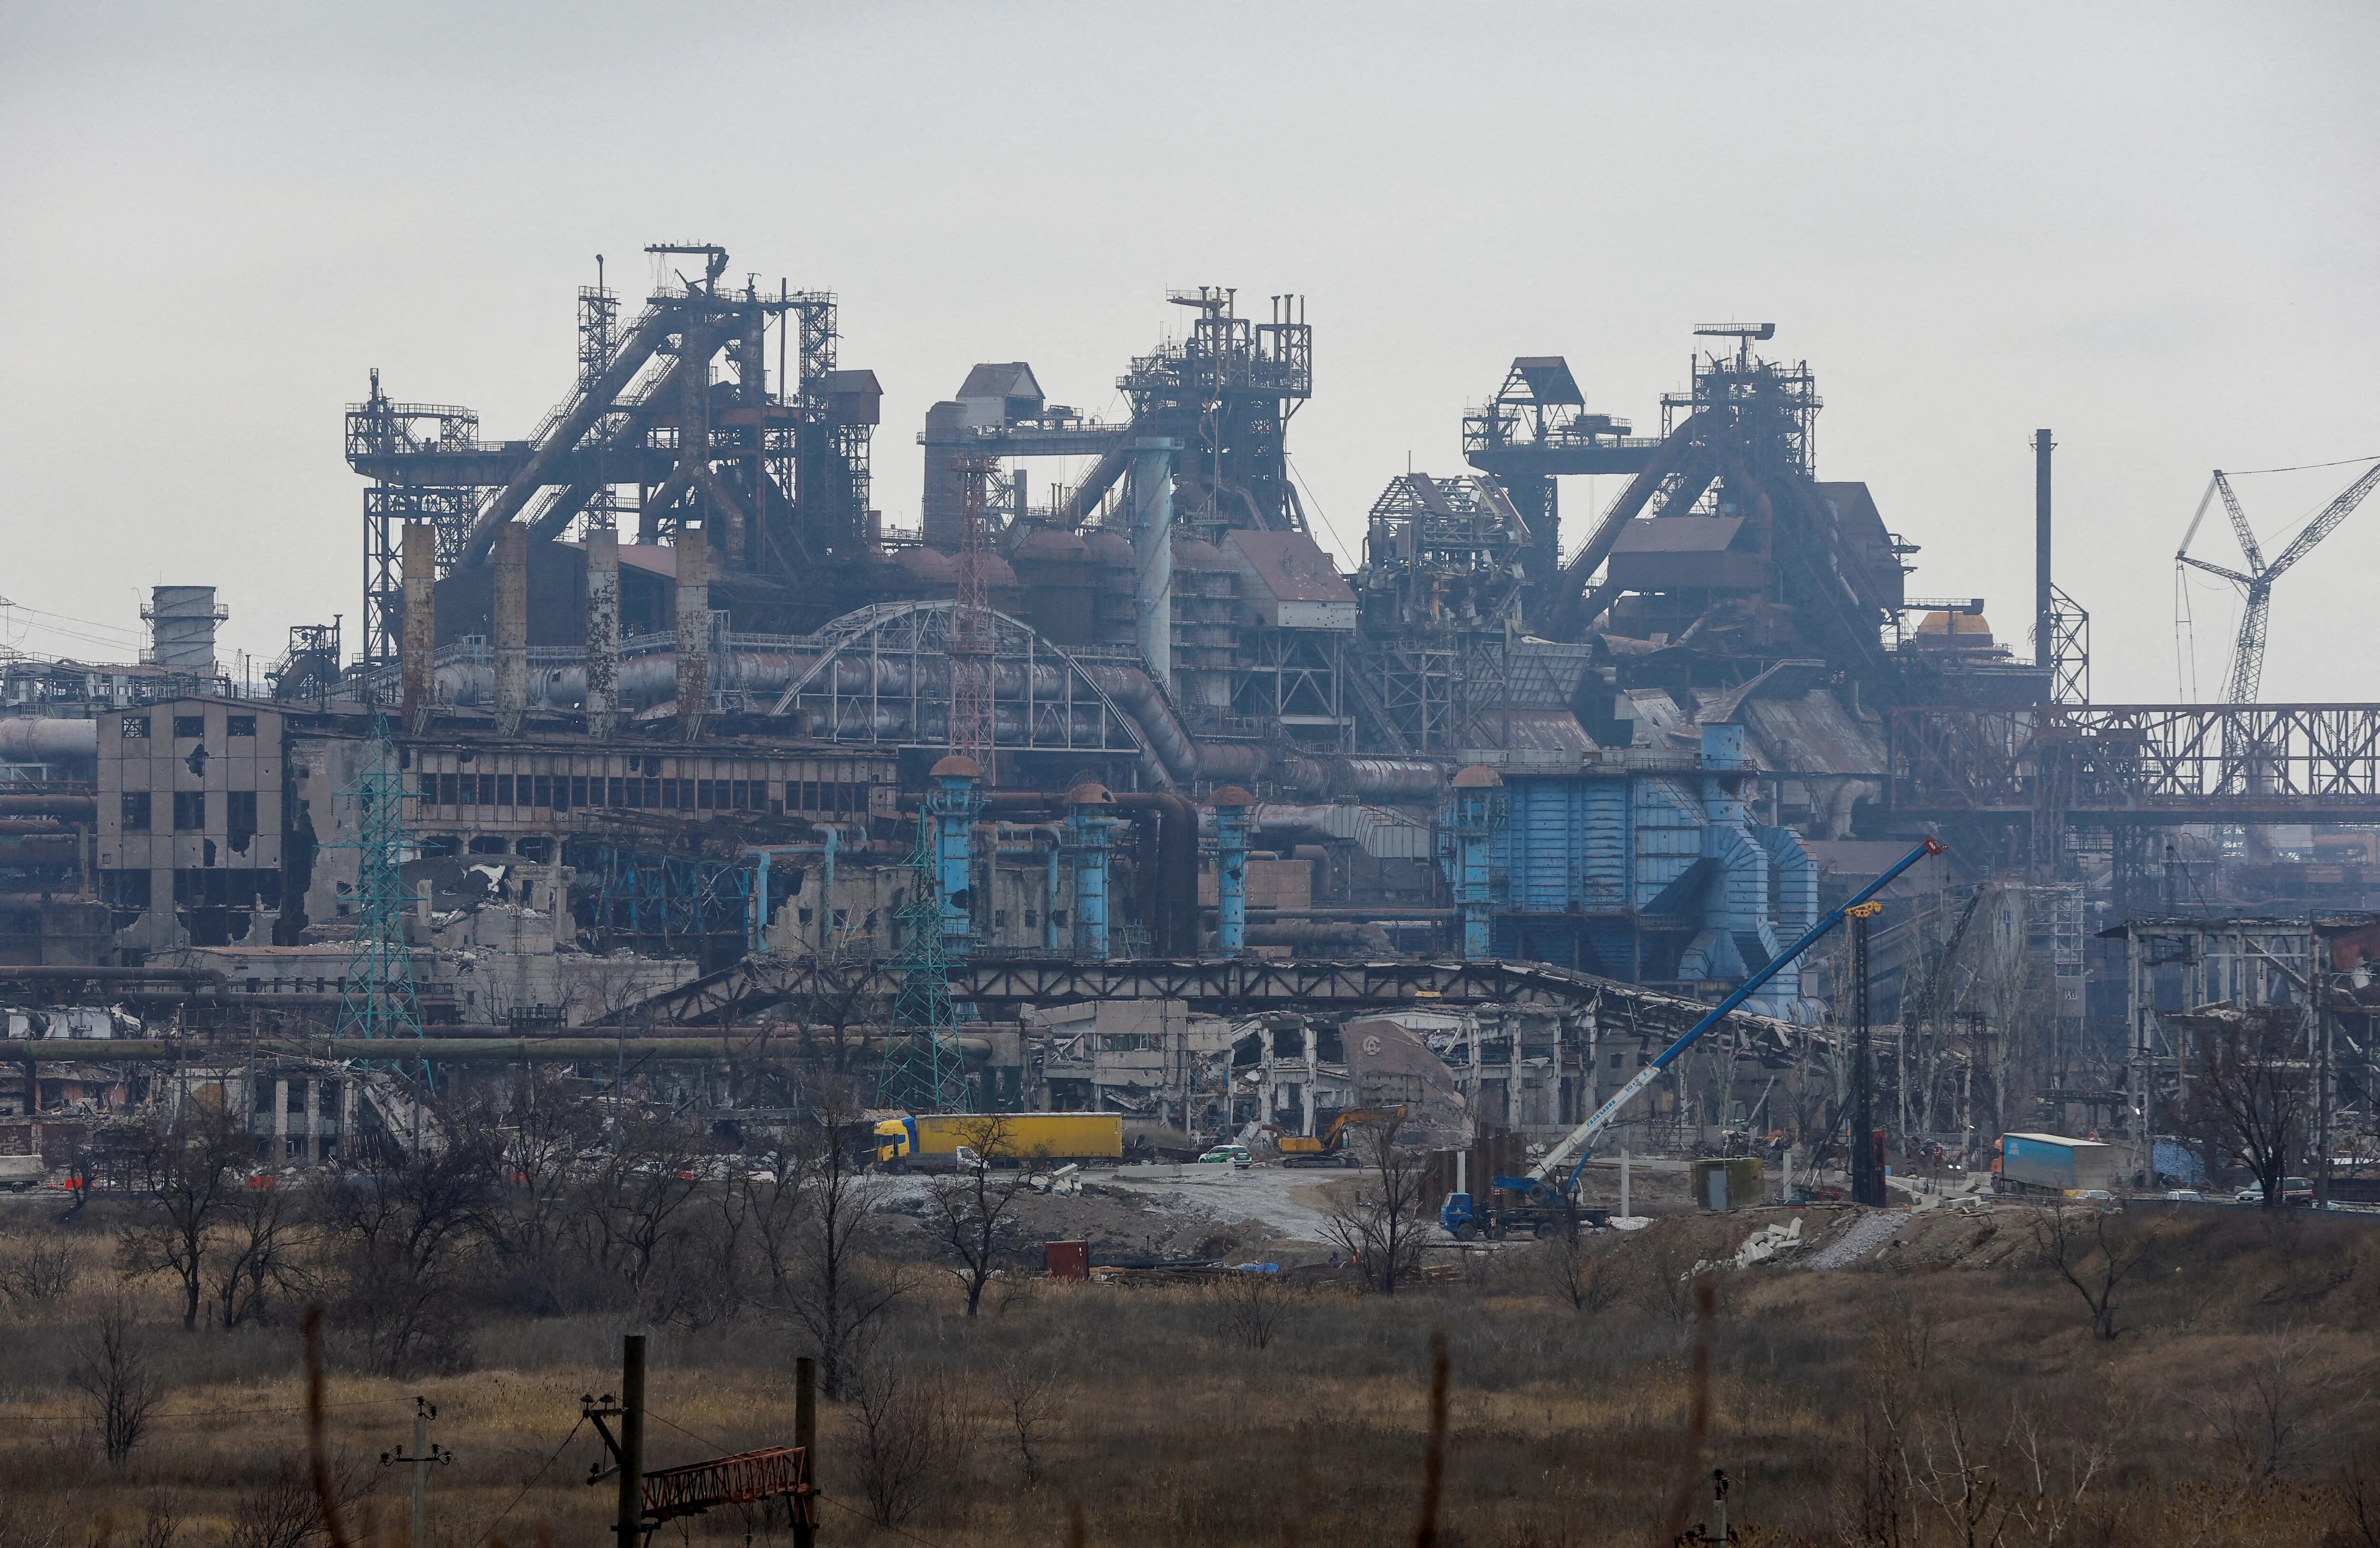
pixel 923 1070
pixel 376 999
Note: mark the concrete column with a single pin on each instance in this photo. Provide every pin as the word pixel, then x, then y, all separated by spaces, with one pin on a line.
pixel 511 623
pixel 1232 805
pixel 1152 548
pixel 418 646
pixel 693 631
pixel 603 632
pixel 280 1121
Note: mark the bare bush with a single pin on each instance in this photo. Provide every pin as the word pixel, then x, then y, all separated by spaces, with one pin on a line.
pixel 112 1368
pixel 400 1235
pixel 1581 1271
pixel 908 1431
pixel 259 1254
pixel 1251 1306
pixel 2280 1408
pixel 37 1276
pixel 1031 1395
pixel 283 1508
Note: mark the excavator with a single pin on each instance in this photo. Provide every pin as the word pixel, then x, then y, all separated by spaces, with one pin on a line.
pixel 1334 1146
pixel 1545 1203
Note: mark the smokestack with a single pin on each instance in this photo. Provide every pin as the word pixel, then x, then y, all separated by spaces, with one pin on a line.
pixel 418 646
pixel 1152 553
pixel 182 622
pixel 512 628
pixel 2044 643
pixel 602 631
pixel 693 631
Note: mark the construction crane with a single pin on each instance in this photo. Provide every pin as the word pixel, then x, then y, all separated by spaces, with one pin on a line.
pixel 2248 655
pixel 1546 1197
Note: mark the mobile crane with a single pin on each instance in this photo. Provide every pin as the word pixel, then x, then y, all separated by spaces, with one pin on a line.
pixel 1546 1201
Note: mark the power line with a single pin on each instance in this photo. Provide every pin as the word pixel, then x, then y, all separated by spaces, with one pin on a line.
pixel 532 1481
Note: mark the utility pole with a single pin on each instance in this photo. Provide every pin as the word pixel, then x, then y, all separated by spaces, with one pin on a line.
pixel 806 1437
pixel 1867 1187
pixel 629 1525
pixel 423 1456
pixel 2318 981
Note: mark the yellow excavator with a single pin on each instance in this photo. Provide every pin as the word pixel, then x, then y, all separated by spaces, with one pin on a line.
pixel 1334 1146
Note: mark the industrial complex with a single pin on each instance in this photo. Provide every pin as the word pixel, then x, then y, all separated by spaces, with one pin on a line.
pixel 1105 788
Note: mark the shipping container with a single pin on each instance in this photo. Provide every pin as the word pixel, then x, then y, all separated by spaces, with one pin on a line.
pixel 1732 1183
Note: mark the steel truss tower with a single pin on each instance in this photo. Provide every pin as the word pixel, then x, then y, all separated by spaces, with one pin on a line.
pixel 376 999
pixel 923 1070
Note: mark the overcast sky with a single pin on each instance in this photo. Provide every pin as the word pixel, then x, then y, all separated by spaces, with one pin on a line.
pixel 2153 227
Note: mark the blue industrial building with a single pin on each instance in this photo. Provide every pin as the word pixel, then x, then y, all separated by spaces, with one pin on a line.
pixel 1645 867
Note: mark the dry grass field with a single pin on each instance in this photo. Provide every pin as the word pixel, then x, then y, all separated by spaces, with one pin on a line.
pixel 1951 1389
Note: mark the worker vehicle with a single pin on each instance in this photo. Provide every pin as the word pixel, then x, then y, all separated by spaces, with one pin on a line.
pixel 931 1142
pixel 1234 1156
pixel 1545 1203
pixel 1335 1146
pixel 18 1172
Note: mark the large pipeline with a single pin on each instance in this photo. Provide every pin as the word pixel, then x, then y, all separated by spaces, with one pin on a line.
pixel 79 809
pixel 1328 935
pixel 37 737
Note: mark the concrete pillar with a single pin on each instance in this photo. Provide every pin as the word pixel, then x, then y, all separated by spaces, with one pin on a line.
pixel 603 632
pixel 1089 833
pixel 1152 549
pixel 418 646
pixel 1478 811
pixel 511 624
pixel 280 1122
pixel 1232 805
pixel 952 805
pixel 693 631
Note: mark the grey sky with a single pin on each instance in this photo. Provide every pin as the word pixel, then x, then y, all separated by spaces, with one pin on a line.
pixel 2150 226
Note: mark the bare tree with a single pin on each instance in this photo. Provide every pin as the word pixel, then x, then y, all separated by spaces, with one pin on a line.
pixel 837 1290
pixel 2252 1094
pixel 399 1234
pixel 974 1205
pixel 1383 1223
pixel 637 1201
pixel 186 1166
pixel 552 1124
pixel 2275 1413
pixel 112 1369
pixel 37 1277
pixel 260 1252
pixel 2077 1244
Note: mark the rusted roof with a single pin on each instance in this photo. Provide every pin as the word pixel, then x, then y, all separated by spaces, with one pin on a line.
pixel 1292 566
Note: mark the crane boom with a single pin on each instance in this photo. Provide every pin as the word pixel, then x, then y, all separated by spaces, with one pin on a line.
pixel 1580 1141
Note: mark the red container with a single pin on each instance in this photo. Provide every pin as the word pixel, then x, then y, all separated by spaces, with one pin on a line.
pixel 1067 1260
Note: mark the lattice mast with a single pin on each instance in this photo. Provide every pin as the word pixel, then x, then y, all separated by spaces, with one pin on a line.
pixel 923 1070
pixel 376 999
pixel 971 627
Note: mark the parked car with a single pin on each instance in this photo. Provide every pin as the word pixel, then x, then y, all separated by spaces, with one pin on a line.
pixel 2249 1196
pixel 1233 1156
pixel 2184 1196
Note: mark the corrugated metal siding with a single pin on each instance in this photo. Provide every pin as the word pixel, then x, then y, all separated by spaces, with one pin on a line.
pixel 1668 835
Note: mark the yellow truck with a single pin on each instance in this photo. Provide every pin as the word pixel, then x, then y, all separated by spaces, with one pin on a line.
pixel 935 1142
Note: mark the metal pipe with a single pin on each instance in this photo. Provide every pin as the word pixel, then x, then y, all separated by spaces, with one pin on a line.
pixel 1232 805
pixel 82 809
pixel 31 736
pixel 1152 550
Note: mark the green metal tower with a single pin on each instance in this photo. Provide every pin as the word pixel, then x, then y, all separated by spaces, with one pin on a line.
pixel 376 999
pixel 923 1070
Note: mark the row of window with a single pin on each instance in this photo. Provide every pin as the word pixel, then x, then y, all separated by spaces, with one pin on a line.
pixel 137 728
pixel 572 792
pixel 196 887
pixel 191 810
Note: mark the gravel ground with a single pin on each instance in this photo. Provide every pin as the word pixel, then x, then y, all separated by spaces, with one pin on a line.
pixel 1868 1234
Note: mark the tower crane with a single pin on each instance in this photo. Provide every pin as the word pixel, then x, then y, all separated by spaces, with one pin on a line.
pixel 2248 655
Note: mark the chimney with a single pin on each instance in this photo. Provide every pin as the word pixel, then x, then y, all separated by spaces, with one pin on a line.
pixel 603 632
pixel 182 622
pixel 418 646
pixel 2044 628
pixel 693 631
pixel 512 628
